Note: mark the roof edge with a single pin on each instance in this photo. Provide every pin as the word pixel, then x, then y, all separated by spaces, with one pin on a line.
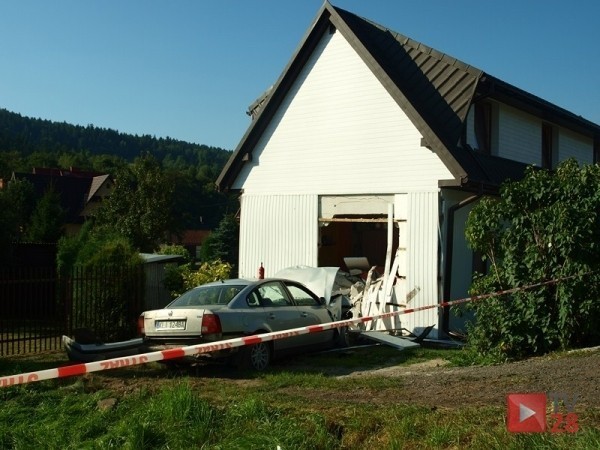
pixel 512 95
pixel 432 139
pixel 278 91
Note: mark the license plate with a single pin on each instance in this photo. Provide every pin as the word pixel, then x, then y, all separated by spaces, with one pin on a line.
pixel 170 324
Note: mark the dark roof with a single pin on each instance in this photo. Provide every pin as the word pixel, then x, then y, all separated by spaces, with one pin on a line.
pixel 433 89
pixel 74 191
pixel 438 87
pixel 486 172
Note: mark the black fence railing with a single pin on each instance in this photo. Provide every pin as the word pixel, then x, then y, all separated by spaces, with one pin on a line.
pixel 37 306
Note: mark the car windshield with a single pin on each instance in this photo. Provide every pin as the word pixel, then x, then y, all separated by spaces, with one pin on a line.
pixel 206 295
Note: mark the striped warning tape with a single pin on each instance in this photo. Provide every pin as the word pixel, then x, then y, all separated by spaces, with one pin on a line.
pixel 174 353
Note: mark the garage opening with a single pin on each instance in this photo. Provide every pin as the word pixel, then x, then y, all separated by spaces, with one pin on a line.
pixel 343 237
pixel 355 226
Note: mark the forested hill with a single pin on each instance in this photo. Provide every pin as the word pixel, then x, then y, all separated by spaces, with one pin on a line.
pixel 27 142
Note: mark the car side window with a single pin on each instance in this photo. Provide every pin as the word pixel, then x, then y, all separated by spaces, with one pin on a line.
pixel 302 296
pixel 272 294
pixel 253 299
pixel 228 294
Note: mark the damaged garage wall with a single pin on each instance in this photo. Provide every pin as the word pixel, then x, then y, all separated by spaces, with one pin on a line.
pixel 414 249
pixel 282 231
pixel 358 226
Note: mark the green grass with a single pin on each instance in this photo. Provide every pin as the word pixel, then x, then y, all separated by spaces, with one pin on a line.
pixel 382 355
pixel 173 417
pixel 289 407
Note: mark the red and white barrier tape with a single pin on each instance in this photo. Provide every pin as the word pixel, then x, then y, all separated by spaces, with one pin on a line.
pixel 162 355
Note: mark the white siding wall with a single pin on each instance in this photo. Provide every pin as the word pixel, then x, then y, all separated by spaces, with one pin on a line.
pixel 462 256
pixel 278 230
pixel 572 145
pixel 519 136
pixel 339 132
pixel 422 252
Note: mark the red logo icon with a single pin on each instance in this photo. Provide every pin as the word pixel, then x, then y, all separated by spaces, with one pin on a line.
pixel 526 413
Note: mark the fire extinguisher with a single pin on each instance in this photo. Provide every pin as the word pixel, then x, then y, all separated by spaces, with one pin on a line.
pixel 261 272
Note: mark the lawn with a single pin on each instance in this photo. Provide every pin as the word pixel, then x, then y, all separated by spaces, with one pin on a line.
pixel 319 401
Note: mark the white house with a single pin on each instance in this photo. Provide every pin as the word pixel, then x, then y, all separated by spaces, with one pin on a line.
pixel 364 123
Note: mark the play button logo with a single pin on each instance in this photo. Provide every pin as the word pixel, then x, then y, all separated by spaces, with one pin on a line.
pixel 526 413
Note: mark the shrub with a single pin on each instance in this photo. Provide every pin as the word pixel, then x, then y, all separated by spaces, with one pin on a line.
pixel 544 227
pixel 207 272
pixel 179 279
pixel 103 276
pixel 174 249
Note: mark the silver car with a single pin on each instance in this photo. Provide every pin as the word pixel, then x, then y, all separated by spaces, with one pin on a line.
pixel 237 307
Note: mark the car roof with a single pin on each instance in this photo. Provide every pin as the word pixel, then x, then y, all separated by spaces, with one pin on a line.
pixel 230 282
pixel 245 282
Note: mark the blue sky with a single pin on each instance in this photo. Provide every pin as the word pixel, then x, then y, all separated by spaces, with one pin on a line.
pixel 189 69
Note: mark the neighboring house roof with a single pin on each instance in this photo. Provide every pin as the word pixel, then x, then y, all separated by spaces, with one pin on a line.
pixel 190 237
pixel 432 88
pixel 97 183
pixel 76 189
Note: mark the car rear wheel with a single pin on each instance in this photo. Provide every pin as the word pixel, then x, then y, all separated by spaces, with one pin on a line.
pixel 256 357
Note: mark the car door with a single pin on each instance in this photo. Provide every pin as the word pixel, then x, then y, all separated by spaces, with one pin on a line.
pixel 312 312
pixel 280 311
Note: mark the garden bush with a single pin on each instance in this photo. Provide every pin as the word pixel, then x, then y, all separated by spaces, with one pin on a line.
pixel 544 227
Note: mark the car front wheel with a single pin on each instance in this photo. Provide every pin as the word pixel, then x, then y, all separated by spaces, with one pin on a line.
pixel 255 357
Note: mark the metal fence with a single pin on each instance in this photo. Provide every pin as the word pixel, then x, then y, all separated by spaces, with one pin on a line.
pixel 37 306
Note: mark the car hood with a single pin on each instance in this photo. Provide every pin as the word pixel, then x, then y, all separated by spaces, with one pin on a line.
pixel 320 280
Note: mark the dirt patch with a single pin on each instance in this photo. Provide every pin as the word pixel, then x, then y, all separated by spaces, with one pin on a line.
pixel 434 384
pixel 400 370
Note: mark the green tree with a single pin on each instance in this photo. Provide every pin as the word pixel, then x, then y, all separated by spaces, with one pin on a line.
pixel 9 162
pixel 174 272
pixel 174 249
pixel 16 204
pixel 107 163
pixel 47 219
pixel 223 243
pixel 139 207
pixel 41 159
pixel 94 247
pixel 192 168
pixel 544 227
pixel 79 160
pixel 94 255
